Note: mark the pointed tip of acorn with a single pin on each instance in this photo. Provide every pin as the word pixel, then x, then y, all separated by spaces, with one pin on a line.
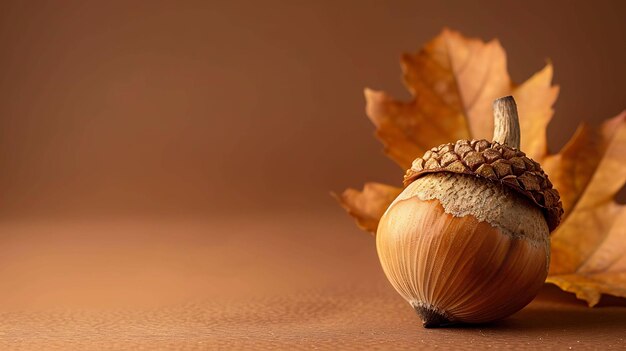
pixel 431 318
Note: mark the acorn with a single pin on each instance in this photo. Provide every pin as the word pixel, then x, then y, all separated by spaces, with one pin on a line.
pixel 468 239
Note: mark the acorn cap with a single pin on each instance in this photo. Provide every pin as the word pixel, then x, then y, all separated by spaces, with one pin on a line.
pixel 495 161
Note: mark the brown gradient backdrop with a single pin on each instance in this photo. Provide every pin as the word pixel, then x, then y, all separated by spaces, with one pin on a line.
pixel 194 107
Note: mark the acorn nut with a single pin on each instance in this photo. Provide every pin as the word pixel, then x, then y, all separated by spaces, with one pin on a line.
pixel 467 241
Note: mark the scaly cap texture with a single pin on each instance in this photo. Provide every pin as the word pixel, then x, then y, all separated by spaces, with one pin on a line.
pixel 494 162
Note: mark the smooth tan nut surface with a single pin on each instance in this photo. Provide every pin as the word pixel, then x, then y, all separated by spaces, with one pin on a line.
pixel 459 269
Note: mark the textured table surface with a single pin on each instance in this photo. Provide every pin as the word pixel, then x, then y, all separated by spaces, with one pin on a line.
pixel 298 281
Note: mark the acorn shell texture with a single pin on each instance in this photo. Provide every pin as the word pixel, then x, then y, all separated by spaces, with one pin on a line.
pixel 463 249
pixel 495 162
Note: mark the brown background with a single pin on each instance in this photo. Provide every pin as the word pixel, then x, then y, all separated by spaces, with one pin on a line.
pixel 166 167
pixel 179 107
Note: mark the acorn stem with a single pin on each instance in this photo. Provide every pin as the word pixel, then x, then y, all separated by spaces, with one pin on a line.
pixel 506 122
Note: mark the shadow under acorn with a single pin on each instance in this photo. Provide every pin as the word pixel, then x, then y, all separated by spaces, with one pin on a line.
pixel 552 309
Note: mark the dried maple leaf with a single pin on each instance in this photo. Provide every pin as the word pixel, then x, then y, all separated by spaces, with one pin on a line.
pixel 453 81
pixel 589 248
pixel 369 205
